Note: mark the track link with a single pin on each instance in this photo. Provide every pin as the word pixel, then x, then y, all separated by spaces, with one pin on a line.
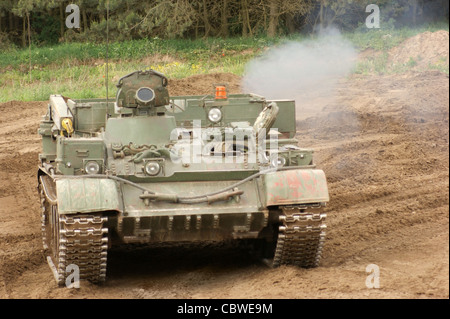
pixel 301 237
pixel 71 242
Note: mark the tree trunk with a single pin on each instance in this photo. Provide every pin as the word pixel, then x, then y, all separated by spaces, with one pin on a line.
pixel 205 20
pixel 85 21
pixel 244 11
pixel 321 18
pixel 61 21
pixel 224 19
pixel 415 11
pixel 29 41
pixel 196 29
pixel 273 19
pixel 24 31
pixel 290 24
pixel 11 22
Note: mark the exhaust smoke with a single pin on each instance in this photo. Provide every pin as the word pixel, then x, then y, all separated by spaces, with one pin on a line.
pixel 306 71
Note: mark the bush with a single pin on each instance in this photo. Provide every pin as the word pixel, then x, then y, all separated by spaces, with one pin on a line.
pixel 5 43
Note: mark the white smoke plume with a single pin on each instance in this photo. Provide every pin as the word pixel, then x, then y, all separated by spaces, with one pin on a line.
pixel 306 71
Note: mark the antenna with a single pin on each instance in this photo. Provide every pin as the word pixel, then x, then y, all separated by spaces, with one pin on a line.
pixel 29 41
pixel 107 52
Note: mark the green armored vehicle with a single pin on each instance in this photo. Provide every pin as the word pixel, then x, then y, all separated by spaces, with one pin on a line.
pixel 147 167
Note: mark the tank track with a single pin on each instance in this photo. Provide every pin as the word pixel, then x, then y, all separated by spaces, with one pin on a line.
pixel 72 240
pixel 301 236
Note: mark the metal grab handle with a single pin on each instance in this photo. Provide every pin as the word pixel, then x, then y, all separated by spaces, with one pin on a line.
pixel 173 198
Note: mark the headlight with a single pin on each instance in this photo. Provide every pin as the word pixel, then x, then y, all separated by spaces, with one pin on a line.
pixel 152 168
pixel 278 161
pixel 145 95
pixel 215 115
pixel 92 168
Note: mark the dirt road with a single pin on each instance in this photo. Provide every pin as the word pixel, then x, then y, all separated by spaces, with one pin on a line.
pixel 384 145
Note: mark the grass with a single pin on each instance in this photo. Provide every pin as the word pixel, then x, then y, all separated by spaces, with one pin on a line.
pixel 383 40
pixel 79 69
pixel 131 50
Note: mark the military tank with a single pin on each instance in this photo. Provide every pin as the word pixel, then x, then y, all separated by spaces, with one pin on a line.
pixel 150 168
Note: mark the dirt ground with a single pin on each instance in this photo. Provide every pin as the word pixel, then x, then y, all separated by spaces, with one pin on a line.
pixel 383 143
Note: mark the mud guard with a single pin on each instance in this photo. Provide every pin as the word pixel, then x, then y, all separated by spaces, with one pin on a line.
pixel 87 195
pixel 296 186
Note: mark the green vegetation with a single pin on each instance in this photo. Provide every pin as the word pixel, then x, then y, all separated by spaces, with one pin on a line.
pixel 131 50
pixel 44 21
pixel 41 55
pixel 383 40
pixel 78 70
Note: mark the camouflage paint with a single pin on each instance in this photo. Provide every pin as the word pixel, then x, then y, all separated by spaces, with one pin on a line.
pixel 296 186
pixel 125 134
pixel 87 195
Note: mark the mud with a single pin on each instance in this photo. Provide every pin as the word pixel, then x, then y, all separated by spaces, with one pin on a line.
pixel 384 145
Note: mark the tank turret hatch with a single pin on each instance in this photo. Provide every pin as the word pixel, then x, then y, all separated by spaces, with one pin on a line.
pixel 142 90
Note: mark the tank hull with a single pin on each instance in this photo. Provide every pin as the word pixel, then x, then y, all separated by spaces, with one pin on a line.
pixel 135 219
pixel 148 168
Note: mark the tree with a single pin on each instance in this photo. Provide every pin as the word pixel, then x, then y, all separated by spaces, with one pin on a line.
pixel 278 8
pixel 135 19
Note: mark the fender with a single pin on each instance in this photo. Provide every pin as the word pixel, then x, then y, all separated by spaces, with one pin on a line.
pixel 86 195
pixel 296 186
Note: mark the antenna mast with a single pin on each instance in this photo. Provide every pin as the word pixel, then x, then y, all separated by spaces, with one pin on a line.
pixel 107 51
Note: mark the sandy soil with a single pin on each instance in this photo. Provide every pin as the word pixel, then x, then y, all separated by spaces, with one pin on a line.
pixel 384 145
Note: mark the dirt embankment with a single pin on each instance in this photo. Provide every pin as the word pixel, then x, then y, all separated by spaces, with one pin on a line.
pixel 423 51
pixel 384 145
